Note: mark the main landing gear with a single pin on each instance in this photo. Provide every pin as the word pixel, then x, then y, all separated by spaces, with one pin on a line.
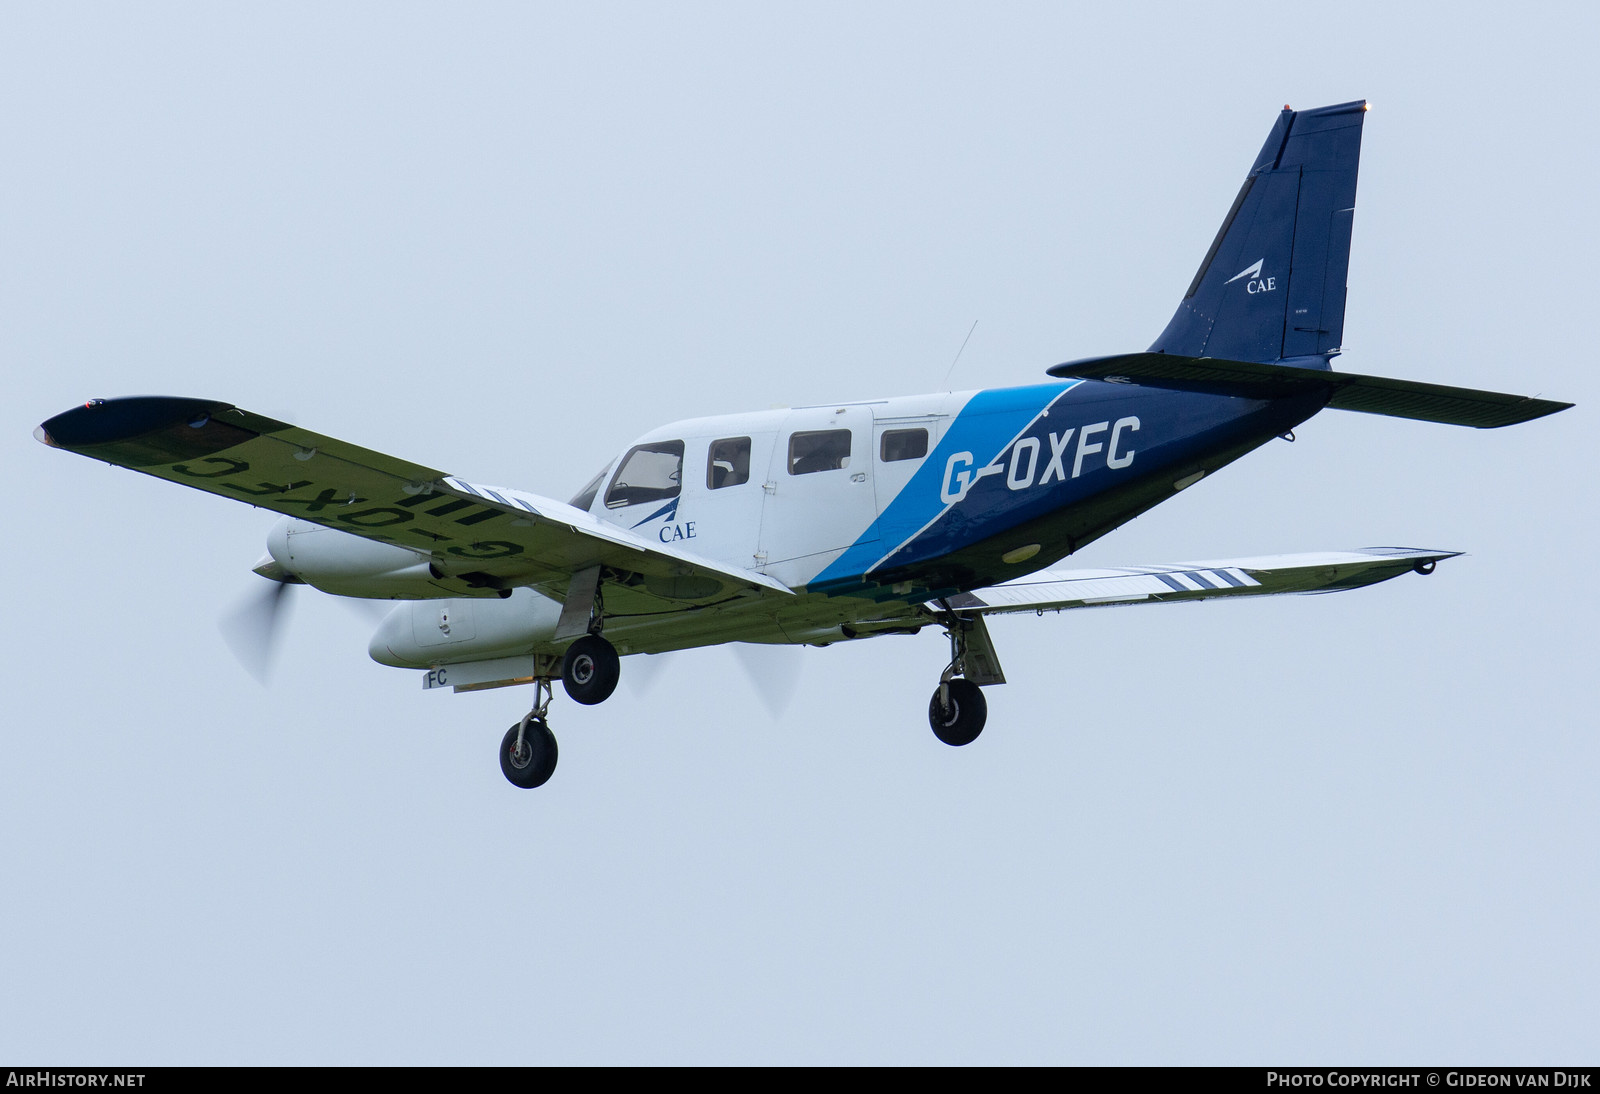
pixel 958 710
pixel 589 671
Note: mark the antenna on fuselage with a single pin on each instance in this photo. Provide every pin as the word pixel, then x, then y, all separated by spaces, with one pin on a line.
pixel 959 352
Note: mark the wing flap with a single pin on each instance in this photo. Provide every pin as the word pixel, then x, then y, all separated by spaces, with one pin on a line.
pixel 1330 571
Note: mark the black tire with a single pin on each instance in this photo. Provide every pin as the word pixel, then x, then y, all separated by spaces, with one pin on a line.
pixel 537 761
pixel 589 671
pixel 962 721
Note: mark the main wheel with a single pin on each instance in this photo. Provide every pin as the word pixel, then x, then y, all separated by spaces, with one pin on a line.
pixel 962 720
pixel 534 764
pixel 590 670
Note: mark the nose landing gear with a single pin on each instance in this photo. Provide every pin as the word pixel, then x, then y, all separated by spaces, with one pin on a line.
pixel 528 751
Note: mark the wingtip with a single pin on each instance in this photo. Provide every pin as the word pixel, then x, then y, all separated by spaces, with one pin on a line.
pixel 1415 552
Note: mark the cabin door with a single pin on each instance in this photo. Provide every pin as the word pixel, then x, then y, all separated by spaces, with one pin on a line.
pixel 819 497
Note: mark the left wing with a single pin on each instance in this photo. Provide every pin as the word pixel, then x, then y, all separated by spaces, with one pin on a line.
pixel 1326 572
pixel 478 539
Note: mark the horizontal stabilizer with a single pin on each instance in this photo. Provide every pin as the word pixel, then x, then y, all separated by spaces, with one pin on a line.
pixel 1346 390
pixel 1271 575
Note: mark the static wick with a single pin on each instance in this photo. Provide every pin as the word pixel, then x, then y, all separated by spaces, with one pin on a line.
pixel 959 352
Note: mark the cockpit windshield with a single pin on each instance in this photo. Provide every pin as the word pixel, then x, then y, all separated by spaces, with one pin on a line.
pixel 649 472
pixel 585 497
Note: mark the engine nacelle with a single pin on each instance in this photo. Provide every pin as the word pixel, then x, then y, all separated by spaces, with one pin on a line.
pixel 347 565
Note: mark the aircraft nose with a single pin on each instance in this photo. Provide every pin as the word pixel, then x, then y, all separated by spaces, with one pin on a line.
pixel 392 643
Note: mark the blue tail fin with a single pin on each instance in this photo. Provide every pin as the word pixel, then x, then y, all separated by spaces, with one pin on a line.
pixel 1271 288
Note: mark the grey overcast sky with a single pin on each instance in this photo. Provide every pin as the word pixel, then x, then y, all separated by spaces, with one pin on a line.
pixel 503 239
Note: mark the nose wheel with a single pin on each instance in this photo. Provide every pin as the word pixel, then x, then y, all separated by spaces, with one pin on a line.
pixel 528 753
pixel 528 750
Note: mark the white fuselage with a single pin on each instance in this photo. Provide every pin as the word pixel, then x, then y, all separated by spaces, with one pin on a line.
pixel 889 502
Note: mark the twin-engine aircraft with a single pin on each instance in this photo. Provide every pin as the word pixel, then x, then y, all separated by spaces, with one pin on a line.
pixel 843 521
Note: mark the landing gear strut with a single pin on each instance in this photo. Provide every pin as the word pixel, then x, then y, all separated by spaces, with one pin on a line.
pixel 528 750
pixel 589 672
pixel 958 709
pixel 590 669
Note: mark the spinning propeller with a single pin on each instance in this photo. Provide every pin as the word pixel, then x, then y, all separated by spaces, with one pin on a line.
pixel 253 627
pixel 773 671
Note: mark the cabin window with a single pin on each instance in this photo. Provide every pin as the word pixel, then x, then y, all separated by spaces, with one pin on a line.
pixel 585 497
pixel 822 450
pixel 729 463
pixel 649 472
pixel 903 444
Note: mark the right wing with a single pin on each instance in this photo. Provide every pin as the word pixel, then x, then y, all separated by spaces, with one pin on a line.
pixel 1326 572
pixel 476 538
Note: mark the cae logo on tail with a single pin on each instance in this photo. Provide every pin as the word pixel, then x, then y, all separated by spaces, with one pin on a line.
pixel 1257 283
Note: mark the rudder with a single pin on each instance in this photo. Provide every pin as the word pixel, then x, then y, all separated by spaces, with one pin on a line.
pixel 1272 285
